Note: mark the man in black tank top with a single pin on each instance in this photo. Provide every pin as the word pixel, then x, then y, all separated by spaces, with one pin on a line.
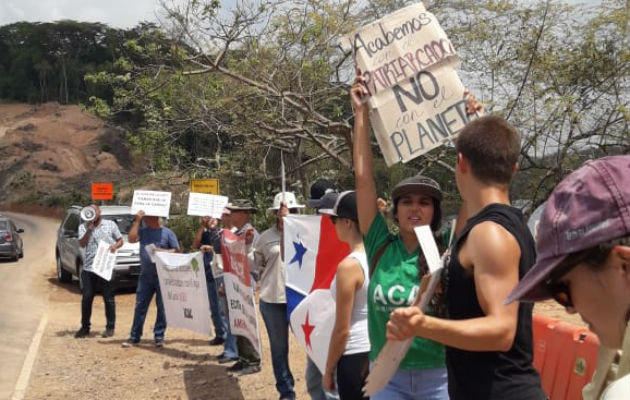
pixel 489 345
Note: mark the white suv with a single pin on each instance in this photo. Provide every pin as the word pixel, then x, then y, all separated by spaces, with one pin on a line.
pixel 70 256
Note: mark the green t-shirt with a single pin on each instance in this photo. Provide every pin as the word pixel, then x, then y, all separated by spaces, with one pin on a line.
pixel 394 284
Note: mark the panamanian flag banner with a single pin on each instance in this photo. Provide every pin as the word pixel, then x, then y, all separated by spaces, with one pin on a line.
pixel 312 252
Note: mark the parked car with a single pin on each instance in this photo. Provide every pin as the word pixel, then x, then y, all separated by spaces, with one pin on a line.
pixel 70 256
pixel 11 245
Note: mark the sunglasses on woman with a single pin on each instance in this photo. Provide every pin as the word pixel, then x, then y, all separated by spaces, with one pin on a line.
pixel 560 292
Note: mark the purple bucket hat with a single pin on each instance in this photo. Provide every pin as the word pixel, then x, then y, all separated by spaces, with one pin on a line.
pixel 590 206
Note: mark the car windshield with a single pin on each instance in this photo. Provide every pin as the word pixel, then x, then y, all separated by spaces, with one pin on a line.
pixel 123 221
pixel 4 225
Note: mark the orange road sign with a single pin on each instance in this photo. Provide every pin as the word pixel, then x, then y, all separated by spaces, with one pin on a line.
pixel 102 191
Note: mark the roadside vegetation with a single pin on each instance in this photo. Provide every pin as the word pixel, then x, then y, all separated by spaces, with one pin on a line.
pixel 229 93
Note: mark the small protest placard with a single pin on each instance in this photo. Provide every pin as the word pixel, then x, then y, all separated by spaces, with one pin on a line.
pixel 202 205
pixel 239 290
pixel 152 202
pixel 104 261
pixel 184 293
pixel 416 97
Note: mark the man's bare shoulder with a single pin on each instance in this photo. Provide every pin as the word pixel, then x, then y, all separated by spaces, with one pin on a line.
pixel 490 244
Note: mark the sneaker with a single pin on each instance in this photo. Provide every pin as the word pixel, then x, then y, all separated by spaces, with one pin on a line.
pixel 223 359
pixel 250 369
pixel 82 333
pixel 217 341
pixel 107 333
pixel 237 366
pixel 159 343
pixel 130 343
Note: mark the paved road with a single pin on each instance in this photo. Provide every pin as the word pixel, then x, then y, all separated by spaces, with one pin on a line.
pixel 24 288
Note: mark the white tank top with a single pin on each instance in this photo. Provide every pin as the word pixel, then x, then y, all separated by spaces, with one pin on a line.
pixel 358 340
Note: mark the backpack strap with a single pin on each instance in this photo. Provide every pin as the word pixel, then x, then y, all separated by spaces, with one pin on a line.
pixel 377 257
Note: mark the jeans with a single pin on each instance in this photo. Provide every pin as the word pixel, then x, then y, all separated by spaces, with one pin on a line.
pixel 314 383
pixel 91 282
pixel 275 317
pixel 218 317
pixel 425 384
pixel 148 285
pixel 230 348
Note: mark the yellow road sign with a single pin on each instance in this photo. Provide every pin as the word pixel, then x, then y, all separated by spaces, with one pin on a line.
pixel 208 186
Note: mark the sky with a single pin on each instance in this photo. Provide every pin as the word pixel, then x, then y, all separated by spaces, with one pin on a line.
pixel 115 13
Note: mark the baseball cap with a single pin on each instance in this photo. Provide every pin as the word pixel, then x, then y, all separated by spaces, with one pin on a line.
pixel 590 206
pixel 345 206
pixel 417 184
pixel 318 189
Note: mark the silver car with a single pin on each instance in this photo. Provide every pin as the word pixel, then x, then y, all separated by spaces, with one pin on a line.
pixel 70 256
pixel 11 245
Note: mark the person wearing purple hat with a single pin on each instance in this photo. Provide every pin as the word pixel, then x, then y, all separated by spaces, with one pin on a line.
pixel 584 261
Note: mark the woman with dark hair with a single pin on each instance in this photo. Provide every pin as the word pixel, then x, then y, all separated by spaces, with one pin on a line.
pixel 349 343
pixel 396 262
pixel 583 262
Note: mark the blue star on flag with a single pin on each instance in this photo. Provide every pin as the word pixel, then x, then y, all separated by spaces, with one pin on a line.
pixel 300 250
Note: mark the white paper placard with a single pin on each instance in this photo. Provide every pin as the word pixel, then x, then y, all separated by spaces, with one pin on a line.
pixel 104 261
pixel 152 202
pixel 202 204
pixel 184 292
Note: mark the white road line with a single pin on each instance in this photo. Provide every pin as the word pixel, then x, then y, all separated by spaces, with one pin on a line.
pixel 27 367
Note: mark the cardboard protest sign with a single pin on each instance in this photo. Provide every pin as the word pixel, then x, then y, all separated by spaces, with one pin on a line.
pixel 184 292
pixel 416 98
pixel 398 46
pixel 239 290
pixel 104 261
pixel 153 203
pixel 202 205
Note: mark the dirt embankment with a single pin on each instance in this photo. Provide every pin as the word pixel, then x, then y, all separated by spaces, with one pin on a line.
pixel 54 149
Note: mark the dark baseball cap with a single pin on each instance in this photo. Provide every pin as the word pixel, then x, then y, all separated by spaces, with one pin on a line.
pixel 345 206
pixel 417 184
pixel 590 206
pixel 318 189
pixel 327 201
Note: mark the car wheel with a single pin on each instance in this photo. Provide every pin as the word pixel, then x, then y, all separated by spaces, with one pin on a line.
pixel 79 271
pixel 62 274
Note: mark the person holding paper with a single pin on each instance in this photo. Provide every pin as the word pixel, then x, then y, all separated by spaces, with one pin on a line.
pixel 164 239
pixel 90 234
pixel 396 261
pixel 208 240
pixel 349 344
pixel 489 344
